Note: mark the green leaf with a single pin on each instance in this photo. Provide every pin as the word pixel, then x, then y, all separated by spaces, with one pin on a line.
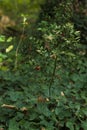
pixel 77 127
pixel 75 77
pixel 13 125
pixel 9 39
pixel 84 125
pixel 42 108
pixel 70 125
pixel 2 38
pixel 3 56
pixel 85 111
pixel 15 95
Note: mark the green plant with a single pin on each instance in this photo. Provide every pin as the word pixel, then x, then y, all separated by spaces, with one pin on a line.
pixel 47 90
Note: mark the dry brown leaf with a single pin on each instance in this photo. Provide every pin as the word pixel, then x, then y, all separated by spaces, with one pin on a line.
pixel 43 128
pixel 1 128
pixel 41 99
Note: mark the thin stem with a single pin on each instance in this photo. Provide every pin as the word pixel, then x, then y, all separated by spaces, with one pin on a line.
pixel 53 75
pixel 17 49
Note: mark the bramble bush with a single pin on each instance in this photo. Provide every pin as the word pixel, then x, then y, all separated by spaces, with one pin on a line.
pixel 45 88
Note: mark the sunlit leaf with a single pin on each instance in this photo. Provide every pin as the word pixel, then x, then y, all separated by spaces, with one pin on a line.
pixel 2 38
pixel 9 39
pixel 9 48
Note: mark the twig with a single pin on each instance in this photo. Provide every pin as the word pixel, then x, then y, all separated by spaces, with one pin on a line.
pixel 13 107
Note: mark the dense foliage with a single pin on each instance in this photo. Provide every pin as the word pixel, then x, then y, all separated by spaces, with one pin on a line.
pixel 43 76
